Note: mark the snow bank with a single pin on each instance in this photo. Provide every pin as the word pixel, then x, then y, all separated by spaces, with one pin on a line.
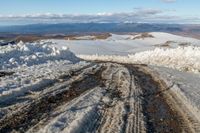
pixel 181 58
pixel 25 79
pixel 35 65
pixel 28 54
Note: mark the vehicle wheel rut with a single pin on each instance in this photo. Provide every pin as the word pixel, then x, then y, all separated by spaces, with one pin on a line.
pixel 30 114
pixel 132 99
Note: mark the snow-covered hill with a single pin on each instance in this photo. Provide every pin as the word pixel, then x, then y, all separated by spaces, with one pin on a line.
pixel 125 44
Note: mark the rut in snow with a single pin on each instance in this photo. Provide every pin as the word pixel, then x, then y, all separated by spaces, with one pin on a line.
pixel 102 97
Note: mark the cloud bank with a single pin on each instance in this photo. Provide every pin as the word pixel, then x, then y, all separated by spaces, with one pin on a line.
pixel 138 15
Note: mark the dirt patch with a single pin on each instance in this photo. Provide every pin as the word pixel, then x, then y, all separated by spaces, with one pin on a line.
pixel 143 36
pixel 167 44
pixel 4 73
pixel 92 36
pixel 184 44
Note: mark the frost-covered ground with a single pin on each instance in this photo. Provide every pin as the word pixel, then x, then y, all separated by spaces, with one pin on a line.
pixel 61 93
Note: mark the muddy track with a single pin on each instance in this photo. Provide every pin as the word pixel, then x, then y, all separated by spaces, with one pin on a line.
pixel 13 100
pixel 133 100
pixel 38 109
pixel 160 116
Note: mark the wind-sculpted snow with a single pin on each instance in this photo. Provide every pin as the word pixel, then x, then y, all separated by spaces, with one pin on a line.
pixel 29 54
pixel 181 58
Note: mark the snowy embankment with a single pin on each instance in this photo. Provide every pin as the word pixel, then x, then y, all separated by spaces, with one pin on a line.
pixel 181 58
pixel 184 85
pixel 29 54
pixel 34 65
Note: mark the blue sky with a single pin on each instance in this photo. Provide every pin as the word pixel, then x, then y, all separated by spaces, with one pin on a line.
pixel 48 11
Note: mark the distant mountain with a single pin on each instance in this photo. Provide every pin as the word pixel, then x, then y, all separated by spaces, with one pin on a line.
pixel 96 27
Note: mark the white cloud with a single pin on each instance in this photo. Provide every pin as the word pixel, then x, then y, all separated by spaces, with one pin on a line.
pixel 138 15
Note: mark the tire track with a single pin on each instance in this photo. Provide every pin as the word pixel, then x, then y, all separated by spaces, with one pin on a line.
pixel 163 113
pixel 135 101
pixel 127 116
pixel 10 101
pixel 147 107
pixel 38 109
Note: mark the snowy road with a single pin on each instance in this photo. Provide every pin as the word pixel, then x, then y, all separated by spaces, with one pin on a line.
pixel 100 97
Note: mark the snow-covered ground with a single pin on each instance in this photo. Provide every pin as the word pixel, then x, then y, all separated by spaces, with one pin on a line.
pixel 123 44
pixel 34 65
pixel 47 72
pixel 162 49
pixel 40 63
pixel 181 58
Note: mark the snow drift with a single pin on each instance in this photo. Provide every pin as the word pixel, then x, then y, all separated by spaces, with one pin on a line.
pixel 34 65
pixel 181 58
pixel 28 54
